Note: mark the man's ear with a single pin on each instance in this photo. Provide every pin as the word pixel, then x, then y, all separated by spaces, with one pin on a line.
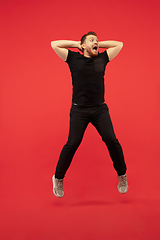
pixel 83 46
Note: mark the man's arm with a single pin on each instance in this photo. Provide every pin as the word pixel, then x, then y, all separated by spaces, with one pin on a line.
pixel 113 48
pixel 60 47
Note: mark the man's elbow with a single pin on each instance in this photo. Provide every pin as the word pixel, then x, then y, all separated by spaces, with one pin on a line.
pixel 52 44
pixel 121 45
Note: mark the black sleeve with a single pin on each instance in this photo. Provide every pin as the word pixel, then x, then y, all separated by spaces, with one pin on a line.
pixel 105 57
pixel 70 56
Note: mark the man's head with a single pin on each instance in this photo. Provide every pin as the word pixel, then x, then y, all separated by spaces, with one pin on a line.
pixel 89 43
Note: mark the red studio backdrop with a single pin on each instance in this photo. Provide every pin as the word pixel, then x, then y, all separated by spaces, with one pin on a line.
pixel 35 92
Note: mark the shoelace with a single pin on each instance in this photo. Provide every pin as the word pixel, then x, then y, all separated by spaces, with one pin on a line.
pixel 60 184
pixel 122 180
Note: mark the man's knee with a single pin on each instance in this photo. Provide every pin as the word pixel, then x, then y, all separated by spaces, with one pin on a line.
pixel 111 141
pixel 73 143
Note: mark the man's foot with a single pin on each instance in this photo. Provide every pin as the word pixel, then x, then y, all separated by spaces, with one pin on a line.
pixel 58 187
pixel 122 185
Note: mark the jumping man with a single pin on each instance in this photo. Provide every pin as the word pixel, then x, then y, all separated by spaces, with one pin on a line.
pixel 88 106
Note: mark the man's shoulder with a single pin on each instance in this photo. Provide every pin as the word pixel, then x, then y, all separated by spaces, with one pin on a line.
pixel 73 55
pixel 104 55
pixel 73 52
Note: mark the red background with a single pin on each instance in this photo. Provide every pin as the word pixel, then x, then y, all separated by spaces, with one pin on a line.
pixel 35 95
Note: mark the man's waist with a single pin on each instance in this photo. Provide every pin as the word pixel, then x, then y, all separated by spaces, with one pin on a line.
pixel 87 105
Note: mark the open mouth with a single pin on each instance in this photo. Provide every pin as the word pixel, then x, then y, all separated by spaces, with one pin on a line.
pixel 95 48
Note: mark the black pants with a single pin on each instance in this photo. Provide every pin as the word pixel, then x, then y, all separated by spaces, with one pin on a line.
pixel 99 117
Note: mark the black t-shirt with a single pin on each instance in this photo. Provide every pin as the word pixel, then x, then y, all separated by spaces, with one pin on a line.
pixel 87 78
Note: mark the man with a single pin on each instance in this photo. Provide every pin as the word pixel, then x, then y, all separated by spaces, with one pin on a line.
pixel 87 71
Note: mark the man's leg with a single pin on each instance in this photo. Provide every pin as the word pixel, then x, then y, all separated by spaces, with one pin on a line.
pixel 78 123
pixel 101 120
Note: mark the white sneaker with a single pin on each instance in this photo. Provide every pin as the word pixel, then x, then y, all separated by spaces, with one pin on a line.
pixel 122 185
pixel 58 187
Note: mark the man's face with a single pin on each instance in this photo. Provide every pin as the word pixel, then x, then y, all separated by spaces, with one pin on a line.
pixel 91 46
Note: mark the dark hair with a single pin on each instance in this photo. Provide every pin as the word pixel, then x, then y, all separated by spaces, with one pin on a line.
pixel 87 34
